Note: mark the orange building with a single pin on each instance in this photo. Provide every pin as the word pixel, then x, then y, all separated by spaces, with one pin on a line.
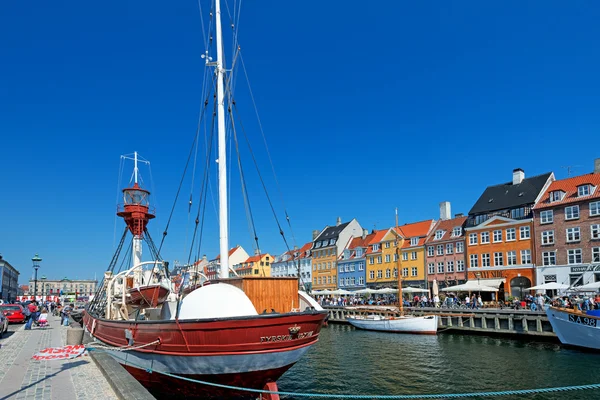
pixel 499 234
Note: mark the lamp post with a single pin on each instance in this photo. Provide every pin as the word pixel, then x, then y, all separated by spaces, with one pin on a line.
pixel 36 265
pixel 478 275
pixel 43 279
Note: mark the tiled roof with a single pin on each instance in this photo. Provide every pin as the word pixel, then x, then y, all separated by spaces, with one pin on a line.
pixel 447 226
pixel 416 229
pixel 302 251
pixel 256 258
pixel 507 195
pixel 407 245
pixel 231 251
pixel 569 186
pixel 331 232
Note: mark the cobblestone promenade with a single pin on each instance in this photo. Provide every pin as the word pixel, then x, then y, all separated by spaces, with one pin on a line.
pixel 22 377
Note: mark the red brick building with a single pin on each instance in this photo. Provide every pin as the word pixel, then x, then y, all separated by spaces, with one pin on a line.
pixel 567 231
pixel 445 250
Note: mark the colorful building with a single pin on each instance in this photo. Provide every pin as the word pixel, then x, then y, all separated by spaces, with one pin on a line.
pixel 352 263
pixel 499 237
pixel 257 265
pixel 567 231
pixel 445 249
pixel 327 246
pixel 288 263
pixel 412 250
pixel 382 259
pixel 237 255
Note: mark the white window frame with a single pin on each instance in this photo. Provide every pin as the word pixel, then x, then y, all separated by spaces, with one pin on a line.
pixel 450 266
pixel 524 232
pixel 387 258
pixel 379 259
pixel 547 237
pixel 414 271
pixel 573 255
pixel 525 256
pixel 497 235
pixel 573 211
pixel 414 255
pixel 414 241
pixel 376 247
pixel 430 251
pixel 498 259
pixel 511 257
pixel 583 190
pixel 595 231
pixel 457 231
pixel 440 267
pixel 439 234
pixel 439 250
pixel 431 268
pixel 388 273
pixel 405 272
pixel 484 237
pixel 405 256
pixel 449 248
pixel 460 247
pixel 594 208
pixel 387 245
pixel 361 266
pixel 548 258
pixel 460 265
pixel 473 261
pixel 472 239
pixel 595 254
pixel 486 260
pixel 511 234
pixel 546 217
pixel 371 274
pixel 573 234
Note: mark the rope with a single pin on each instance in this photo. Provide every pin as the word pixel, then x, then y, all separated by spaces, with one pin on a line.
pixel 369 396
pixel 126 348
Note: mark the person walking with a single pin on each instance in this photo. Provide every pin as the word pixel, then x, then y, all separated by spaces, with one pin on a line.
pixel 31 310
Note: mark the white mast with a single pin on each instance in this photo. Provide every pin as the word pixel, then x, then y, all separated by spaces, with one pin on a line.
pixel 135 168
pixel 136 253
pixel 222 160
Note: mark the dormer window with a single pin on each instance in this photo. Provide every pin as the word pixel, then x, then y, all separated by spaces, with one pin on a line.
pixel 583 190
pixel 414 241
pixel 331 242
pixel 556 195
pixel 358 252
pixel 438 235
pixel 376 247
pixel 457 231
pixel 318 244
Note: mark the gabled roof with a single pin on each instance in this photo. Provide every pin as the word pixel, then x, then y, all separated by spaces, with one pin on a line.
pixel 507 195
pixel 331 232
pixel 256 258
pixel 416 229
pixel 231 251
pixel 569 186
pixel 356 243
pixel 447 226
pixel 302 250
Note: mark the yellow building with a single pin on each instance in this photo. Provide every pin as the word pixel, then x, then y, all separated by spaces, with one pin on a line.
pixel 412 250
pixel 382 266
pixel 258 265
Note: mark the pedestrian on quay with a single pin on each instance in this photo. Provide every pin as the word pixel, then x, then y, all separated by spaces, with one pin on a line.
pixel 436 301
pixel 479 302
pixel 467 301
pixel 32 310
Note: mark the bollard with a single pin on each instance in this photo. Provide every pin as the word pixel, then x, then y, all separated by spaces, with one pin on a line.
pixel 74 336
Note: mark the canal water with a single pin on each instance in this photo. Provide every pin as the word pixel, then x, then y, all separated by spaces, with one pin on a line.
pixel 351 361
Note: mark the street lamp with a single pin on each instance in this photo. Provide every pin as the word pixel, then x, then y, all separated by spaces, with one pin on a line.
pixel 36 265
pixel 478 275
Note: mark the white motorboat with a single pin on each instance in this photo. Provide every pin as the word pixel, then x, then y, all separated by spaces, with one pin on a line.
pixel 426 325
pixel 575 328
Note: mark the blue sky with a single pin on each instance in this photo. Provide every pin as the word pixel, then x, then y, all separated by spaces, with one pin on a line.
pixel 365 108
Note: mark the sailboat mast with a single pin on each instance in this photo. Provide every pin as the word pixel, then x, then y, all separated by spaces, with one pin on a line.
pixel 400 296
pixel 223 217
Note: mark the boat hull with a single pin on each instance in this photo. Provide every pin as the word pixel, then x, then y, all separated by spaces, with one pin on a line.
pixel 575 328
pixel 425 325
pixel 147 296
pixel 240 351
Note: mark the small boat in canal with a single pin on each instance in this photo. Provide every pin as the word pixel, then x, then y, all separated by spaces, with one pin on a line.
pixel 425 325
pixel 575 328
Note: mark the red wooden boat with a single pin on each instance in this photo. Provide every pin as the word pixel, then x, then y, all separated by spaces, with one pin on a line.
pixel 148 296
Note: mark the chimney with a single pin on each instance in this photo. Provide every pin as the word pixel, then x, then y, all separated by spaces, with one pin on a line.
pixel 458 215
pixel 338 222
pixel 295 248
pixel 597 166
pixel 518 176
pixel 315 234
pixel 445 210
pixel 257 252
pixel 365 233
pixel 204 257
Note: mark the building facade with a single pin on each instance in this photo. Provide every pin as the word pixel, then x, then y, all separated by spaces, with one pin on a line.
pixel 499 234
pixel 257 265
pixel 9 281
pixel 65 287
pixel 567 229
pixel 412 250
pixel 237 255
pixel 327 246
pixel 382 259
pixel 294 261
pixel 352 263
pixel 445 250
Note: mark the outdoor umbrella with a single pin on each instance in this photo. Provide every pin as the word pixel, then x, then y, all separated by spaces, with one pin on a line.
pixel 409 289
pixel 435 288
pixel 549 286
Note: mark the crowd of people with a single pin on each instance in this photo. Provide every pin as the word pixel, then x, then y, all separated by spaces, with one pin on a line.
pixel 36 313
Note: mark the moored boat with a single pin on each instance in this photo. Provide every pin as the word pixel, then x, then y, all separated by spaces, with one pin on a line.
pixel 575 328
pixel 148 295
pixel 426 325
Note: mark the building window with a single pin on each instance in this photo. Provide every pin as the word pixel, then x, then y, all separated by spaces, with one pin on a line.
pixel 395 272
pixel 460 247
pixel 388 273
pixel 361 266
pixel 485 237
pixel 497 236
pixel 524 232
pixel 525 256
pixel 413 271
pixel 438 235
pixel 511 257
pixel 440 249
pixel 414 241
pixel 485 260
pixel 430 251
pixel 450 266
pixel 376 247
pixel 511 234
pixel 547 237
pixel 431 268
pixel 549 257
pixel 413 255
pixel 549 278
pixel 472 238
pixel 395 256
pixel 320 280
pixel 379 274
pixel 583 190
pixel 342 282
pixel 498 259
pixel 557 195
pixel 574 256
pixel 440 268
pixel 474 261
pixel 594 208
pixel 546 217
pixel 595 254
pixel 573 235
pixel 450 248
pixel 361 280
pixel 457 231
pixel 517 213
pixel 342 268
pixel 387 258
pixel 595 231
pixel 405 272
pixel 572 212
pixel 387 245
pixel 460 266
pixel 371 260
pixel 371 274
pixel 378 259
